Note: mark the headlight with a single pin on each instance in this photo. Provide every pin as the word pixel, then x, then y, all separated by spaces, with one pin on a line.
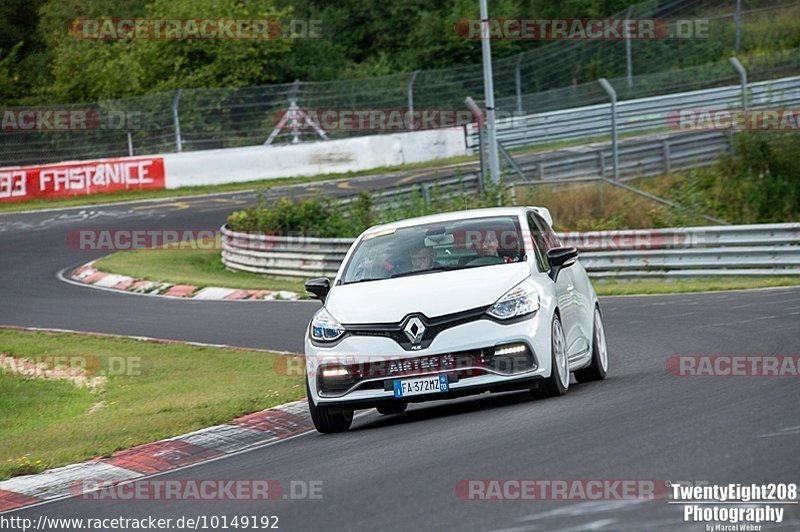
pixel 521 300
pixel 325 328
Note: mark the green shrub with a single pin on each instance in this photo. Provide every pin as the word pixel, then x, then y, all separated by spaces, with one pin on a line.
pixel 326 217
pixel 758 183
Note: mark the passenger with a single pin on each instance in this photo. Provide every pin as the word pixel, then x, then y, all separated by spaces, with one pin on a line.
pixel 489 247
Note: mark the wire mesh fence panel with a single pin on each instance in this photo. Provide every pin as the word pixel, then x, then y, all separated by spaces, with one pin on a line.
pixel 553 76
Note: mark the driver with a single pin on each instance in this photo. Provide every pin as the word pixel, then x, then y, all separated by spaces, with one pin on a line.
pixel 422 258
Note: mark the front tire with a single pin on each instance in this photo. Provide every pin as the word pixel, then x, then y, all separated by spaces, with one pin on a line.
pixel 558 381
pixel 597 369
pixel 326 420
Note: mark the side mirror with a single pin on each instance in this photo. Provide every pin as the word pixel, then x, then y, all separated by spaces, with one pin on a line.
pixel 560 258
pixel 319 288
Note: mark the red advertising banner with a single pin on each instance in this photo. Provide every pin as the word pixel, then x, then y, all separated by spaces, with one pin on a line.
pixel 81 178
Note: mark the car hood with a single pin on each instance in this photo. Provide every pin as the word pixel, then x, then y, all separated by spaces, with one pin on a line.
pixel 432 294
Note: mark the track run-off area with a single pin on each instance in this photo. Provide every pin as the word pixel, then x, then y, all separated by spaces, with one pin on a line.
pixel 405 472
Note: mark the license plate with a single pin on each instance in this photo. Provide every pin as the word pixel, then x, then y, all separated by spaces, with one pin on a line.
pixel 406 387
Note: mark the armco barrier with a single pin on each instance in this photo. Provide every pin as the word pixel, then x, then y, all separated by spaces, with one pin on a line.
pixel 638 115
pixel 762 249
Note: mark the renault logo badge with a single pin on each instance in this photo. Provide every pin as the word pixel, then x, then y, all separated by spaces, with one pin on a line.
pixel 414 330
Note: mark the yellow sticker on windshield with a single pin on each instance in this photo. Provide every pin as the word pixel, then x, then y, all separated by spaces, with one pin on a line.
pixel 376 234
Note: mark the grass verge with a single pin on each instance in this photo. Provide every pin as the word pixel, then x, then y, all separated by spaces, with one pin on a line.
pixel 621 287
pixel 156 391
pixel 194 267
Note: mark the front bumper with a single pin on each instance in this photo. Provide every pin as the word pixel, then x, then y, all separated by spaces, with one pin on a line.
pixel 467 377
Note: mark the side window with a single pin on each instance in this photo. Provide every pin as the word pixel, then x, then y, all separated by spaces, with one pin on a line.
pixel 543 236
pixel 537 235
pixel 550 236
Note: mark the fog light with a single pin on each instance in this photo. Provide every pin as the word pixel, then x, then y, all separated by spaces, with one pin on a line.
pixel 513 349
pixel 335 372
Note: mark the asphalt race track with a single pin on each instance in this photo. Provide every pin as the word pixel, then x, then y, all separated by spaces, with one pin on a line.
pixel 401 472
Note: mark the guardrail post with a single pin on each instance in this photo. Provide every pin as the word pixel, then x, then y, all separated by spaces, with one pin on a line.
pixel 518 79
pixel 601 160
pixel 602 193
pixel 426 195
pixel 411 79
pixel 612 94
pixel 742 79
pixel 176 122
pixel 667 162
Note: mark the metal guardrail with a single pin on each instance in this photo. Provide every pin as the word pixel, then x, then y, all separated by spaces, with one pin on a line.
pixel 636 116
pixel 648 156
pixel 762 249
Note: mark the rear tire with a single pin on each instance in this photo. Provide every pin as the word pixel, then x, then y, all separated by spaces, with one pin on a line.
pixel 597 369
pixel 558 381
pixel 326 420
pixel 389 409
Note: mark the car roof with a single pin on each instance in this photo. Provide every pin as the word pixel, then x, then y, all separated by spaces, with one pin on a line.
pixel 461 215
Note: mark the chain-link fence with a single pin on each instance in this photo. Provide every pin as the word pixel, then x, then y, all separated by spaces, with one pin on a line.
pixel 557 75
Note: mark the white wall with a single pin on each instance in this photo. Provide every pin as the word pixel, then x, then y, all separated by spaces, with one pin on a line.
pixel 211 167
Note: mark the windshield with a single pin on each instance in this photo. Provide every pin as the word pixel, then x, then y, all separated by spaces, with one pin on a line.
pixel 427 248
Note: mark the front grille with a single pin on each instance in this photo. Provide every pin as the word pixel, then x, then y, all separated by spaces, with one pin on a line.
pixel 433 327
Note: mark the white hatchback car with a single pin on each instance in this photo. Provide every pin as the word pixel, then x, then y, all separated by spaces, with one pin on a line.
pixel 448 305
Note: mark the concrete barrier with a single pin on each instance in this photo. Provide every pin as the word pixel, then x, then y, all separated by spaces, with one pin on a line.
pixel 234 165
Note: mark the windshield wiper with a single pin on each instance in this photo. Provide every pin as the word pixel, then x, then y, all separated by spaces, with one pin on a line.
pixel 365 280
pixel 437 269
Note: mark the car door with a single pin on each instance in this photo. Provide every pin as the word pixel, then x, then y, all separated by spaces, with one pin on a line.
pixel 545 239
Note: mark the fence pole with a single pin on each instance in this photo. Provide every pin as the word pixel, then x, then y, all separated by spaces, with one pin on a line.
pixel 628 52
pixel 612 94
pixel 518 78
pixel 742 79
pixel 411 81
pixel 488 89
pixel 176 122
pixel 738 18
pixel 293 109
pixel 130 144
pixel 478 114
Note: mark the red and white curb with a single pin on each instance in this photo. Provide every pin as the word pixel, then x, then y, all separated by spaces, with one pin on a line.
pixel 267 426
pixel 89 275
